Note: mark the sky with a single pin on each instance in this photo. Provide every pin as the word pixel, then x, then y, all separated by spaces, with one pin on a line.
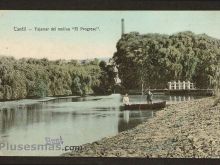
pixel 99 43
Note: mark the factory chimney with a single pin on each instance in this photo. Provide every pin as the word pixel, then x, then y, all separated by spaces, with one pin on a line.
pixel 122 26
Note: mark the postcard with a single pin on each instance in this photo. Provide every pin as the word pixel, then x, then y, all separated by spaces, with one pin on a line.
pixel 110 83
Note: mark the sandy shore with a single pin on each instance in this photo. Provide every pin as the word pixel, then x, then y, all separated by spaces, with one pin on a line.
pixel 183 130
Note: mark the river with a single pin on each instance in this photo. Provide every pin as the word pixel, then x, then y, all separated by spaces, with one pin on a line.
pixel 77 120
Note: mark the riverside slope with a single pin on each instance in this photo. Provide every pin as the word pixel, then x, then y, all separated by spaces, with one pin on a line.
pixel 184 130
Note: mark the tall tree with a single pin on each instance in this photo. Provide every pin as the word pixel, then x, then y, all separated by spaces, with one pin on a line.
pixel 155 59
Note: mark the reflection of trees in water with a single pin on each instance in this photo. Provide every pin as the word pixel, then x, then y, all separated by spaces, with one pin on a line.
pixel 180 98
pixel 36 113
pixel 7 119
pixel 25 115
pixel 22 115
pixel 33 113
pixel 128 119
pixel 123 125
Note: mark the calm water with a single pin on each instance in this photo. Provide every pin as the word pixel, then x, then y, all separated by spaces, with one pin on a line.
pixel 76 120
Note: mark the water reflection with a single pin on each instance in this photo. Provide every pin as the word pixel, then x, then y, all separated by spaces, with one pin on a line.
pixel 7 119
pixel 77 120
pixel 160 97
pixel 181 98
pixel 130 119
pixel 18 116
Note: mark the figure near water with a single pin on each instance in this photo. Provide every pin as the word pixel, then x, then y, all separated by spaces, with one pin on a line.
pixel 126 100
pixel 149 97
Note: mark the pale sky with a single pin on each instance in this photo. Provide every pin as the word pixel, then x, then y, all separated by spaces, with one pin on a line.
pixel 101 43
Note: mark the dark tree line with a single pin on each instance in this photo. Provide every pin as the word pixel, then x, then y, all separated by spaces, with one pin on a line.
pixel 107 82
pixel 30 77
pixel 155 59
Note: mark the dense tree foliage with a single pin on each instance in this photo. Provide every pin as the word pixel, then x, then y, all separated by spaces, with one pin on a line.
pixel 155 59
pixel 30 77
pixel 107 81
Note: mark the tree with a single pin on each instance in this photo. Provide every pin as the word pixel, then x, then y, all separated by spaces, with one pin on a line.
pixel 30 77
pixel 76 86
pixel 107 81
pixel 40 88
pixel 151 60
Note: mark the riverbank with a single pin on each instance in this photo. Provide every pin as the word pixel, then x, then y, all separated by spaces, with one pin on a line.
pixel 183 130
pixel 22 102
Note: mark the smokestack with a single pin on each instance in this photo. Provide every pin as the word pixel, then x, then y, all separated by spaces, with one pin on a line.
pixel 122 26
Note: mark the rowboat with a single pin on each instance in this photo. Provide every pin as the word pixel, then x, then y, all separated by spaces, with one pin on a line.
pixel 144 106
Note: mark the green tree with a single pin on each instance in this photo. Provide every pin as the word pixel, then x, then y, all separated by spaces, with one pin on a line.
pixel 40 88
pixel 151 60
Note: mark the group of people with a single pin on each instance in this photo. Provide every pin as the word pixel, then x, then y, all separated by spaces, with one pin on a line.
pixel 149 98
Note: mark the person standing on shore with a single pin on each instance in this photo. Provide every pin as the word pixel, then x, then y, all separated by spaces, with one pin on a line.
pixel 126 100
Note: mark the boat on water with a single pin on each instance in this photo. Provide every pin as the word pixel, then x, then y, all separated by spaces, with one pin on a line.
pixel 145 106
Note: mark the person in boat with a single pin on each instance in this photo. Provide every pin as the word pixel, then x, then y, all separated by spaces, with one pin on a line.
pixel 149 97
pixel 126 100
